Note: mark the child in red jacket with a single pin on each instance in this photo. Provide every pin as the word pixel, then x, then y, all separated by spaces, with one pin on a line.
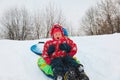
pixel 59 52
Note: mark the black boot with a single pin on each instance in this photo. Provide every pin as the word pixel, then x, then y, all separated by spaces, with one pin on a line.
pixel 82 75
pixel 58 77
pixel 58 68
pixel 80 68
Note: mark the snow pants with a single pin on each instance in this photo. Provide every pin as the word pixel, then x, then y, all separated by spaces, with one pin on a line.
pixel 61 64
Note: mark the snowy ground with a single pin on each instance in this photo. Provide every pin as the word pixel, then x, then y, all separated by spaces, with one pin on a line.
pixel 100 56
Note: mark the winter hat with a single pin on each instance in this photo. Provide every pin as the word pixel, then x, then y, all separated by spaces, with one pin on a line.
pixel 56 28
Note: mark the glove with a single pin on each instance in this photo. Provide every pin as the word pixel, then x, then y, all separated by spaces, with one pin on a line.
pixel 51 49
pixel 65 47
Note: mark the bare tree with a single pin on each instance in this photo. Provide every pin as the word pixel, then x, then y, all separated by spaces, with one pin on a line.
pixel 88 22
pixel 39 26
pixel 52 15
pixel 17 24
pixel 118 1
pixel 110 13
pixel 102 19
pixel 117 16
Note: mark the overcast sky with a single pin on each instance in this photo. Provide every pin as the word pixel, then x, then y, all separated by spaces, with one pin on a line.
pixel 72 9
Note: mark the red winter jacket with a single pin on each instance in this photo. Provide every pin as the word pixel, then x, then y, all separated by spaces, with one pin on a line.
pixel 58 52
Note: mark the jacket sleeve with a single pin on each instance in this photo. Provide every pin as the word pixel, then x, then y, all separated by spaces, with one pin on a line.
pixel 45 55
pixel 73 50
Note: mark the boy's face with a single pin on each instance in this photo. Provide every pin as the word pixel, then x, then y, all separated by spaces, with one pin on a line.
pixel 57 35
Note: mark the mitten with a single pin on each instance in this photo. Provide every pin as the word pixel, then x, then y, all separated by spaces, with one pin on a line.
pixel 51 49
pixel 65 47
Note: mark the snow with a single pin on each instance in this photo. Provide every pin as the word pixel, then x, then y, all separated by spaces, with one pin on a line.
pixel 100 56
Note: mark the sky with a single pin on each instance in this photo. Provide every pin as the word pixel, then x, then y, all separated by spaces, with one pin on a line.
pixel 74 10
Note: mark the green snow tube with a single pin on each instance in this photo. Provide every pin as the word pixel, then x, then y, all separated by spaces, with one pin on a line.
pixel 47 68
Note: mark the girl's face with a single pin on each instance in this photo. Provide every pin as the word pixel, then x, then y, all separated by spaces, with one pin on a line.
pixel 57 35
